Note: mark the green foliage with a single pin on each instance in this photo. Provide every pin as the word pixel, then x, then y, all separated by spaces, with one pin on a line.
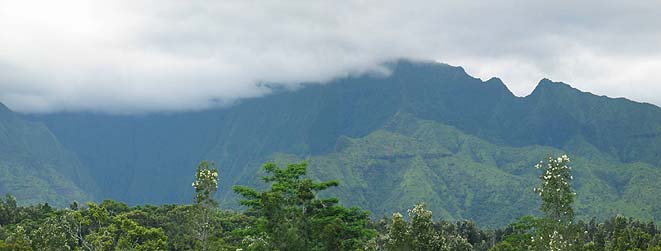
pixel 52 235
pixel 554 230
pixel 292 217
pixel 135 237
pixel 206 183
pixel 398 237
pixel 420 234
pixel 461 176
pixel 628 235
pixel 35 167
pixel 427 132
pixel 519 234
pixel 18 240
pixel 555 191
pixel 102 227
pixel 97 227
pixel 138 159
pixel 8 210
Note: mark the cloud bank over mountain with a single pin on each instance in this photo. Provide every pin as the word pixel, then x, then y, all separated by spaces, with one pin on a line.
pixel 142 56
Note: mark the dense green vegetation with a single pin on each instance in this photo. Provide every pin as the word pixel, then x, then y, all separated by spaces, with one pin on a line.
pixel 464 177
pixel 35 167
pixel 290 214
pixel 426 132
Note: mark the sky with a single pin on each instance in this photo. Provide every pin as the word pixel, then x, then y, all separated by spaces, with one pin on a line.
pixel 141 56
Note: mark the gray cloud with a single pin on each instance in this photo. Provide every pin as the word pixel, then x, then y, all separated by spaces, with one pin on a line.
pixel 140 56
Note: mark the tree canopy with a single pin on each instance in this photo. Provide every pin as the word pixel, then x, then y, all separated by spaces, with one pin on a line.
pixel 292 213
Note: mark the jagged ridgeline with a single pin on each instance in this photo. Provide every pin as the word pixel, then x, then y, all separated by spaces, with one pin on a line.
pixel 426 132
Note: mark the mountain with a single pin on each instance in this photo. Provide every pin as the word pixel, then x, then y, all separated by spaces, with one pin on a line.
pixel 35 167
pixel 391 140
pixel 461 176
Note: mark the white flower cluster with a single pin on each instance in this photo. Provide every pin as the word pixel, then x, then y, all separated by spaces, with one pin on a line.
pixel 204 177
pixel 255 242
pixel 556 242
pixel 557 172
pixel 420 211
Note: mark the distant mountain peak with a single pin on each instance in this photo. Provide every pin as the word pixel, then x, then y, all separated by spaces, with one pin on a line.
pixel 545 82
pixel 549 86
pixel 437 77
pixel 494 81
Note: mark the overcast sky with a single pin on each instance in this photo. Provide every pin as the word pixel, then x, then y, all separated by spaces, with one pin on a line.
pixel 167 55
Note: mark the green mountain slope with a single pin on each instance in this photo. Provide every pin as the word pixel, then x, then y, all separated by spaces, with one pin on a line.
pixel 34 167
pixel 464 177
pixel 150 158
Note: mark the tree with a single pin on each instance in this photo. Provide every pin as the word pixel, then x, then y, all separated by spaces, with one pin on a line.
pixel 555 191
pixel 76 226
pixel 132 236
pixel 557 198
pixel 518 235
pixel 18 240
pixel 628 234
pixel 292 217
pixel 421 233
pixel 8 210
pixel 99 227
pixel 52 235
pixel 206 185
pixel 398 237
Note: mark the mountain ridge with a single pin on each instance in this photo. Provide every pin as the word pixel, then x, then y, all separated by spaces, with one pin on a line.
pixel 146 159
pixel 454 162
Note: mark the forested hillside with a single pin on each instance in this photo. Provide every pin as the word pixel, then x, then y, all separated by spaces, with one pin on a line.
pixel 289 213
pixel 36 168
pixel 356 127
pixel 464 177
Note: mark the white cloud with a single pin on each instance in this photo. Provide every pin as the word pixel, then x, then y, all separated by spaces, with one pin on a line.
pixel 136 56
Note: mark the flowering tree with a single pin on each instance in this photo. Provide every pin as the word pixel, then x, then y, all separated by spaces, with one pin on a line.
pixel 557 197
pixel 398 237
pixel 205 184
pixel 424 237
pixel 555 190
